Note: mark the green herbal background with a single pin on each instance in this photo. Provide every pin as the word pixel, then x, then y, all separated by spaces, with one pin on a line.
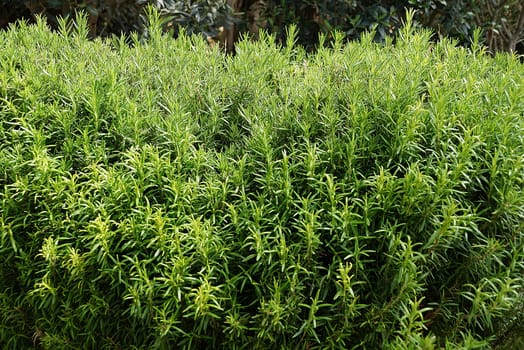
pixel 163 195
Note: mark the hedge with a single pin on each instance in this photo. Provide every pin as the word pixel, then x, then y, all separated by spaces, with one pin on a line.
pixel 163 195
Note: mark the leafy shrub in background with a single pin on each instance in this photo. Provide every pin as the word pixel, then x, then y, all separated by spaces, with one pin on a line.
pixel 195 16
pixel 323 17
pixel 163 195
pixel 124 16
pixel 104 17
pixel 501 21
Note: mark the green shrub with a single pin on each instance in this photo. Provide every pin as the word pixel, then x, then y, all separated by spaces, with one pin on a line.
pixel 166 196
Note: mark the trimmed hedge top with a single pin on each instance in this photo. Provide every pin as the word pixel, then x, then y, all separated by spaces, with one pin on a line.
pixel 164 195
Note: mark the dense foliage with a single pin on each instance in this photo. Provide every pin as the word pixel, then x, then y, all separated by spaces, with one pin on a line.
pixel 104 17
pixel 502 21
pixel 123 16
pixel 163 195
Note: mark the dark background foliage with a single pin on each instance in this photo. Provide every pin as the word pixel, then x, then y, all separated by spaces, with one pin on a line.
pixel 501 21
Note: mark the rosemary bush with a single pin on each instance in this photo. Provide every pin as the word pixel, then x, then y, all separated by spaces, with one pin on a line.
pixel 165 195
